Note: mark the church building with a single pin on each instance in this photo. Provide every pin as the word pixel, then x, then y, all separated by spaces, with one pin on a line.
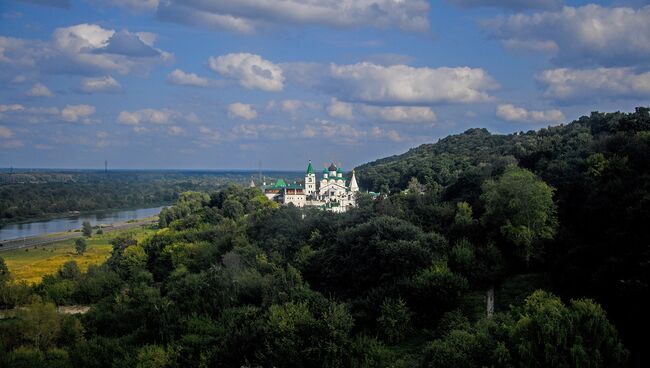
pixel 331 192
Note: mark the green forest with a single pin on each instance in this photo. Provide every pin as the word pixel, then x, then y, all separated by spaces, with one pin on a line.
pixel 34 194
pixel 550 224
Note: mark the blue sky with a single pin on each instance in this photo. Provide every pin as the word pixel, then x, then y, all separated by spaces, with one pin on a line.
pixel 225 84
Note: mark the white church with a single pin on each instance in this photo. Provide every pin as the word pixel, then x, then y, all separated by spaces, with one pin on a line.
pixel 331 192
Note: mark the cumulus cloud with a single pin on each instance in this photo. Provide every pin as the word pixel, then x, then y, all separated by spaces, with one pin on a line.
pixel 292 106
pixel 406 85
pixel 85 49
pixel 509 4
pixel 39 90
pixel 401 114
pixel 578 84
pixel 346 133
pixel 591 35
pixel 100 84
pixel 38 115
pixel 5 132
pixel 513 113
pixel 74 113
pixel 341 110
pixel 182 78
pixel 242 111
pixel 247 15
pixel 252 71
pixel 140 118
pixel 128 44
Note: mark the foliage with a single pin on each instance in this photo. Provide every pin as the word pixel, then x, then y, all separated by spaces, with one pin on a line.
pixel 80 246
pixel 86 229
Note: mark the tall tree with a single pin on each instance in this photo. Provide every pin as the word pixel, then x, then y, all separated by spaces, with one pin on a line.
pixel 520 206
pixel 87 229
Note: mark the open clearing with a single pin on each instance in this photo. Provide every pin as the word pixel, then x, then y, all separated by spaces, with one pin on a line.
pixel 31 264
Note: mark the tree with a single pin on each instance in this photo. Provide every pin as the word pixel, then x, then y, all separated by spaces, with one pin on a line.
pixel 394 321
pixel 39 323
pixel 80 246
pixel 521 206
pixel 550 334
pixel 87 229
pixel 5 275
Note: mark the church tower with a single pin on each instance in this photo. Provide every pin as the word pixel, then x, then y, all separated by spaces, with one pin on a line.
pixel 310 181
pixel 354 187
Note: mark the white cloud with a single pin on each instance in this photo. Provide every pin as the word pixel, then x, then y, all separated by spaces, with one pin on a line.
pixel 341 110
pixel 83 49
pixel 247 15
pixel 401 114
pixel 513 113
pixel 391 134
pixel 587 35
pixel 74 113
pixel 577 84
pixel 175 130
pixel 187 79
pixel 242 111
pixel 40 90
pixel 346 133
pixel 14 107
pixel 405 85
pixel 100 84
pixel 5 132
pixel 292 106
pixel 40 115
pixel 155 117
pixel 250 70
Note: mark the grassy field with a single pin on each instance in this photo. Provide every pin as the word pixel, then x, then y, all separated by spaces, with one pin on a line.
pixel 31 264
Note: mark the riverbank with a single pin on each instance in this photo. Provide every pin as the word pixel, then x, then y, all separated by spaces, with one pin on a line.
pixel 31 263
pixel 45 239
pixel 63 215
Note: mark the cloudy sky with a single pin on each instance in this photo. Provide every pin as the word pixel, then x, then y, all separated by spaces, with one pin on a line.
pixel 222 84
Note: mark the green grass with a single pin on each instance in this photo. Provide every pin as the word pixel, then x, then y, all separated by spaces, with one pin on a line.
pixel 31 264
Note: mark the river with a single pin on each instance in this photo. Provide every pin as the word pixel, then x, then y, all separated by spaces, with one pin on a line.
pixel 17 231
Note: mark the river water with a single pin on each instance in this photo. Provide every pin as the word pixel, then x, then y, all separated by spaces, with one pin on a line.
pixel 17 231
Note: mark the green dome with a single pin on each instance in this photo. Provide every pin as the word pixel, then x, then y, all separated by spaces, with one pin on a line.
pixel 339 170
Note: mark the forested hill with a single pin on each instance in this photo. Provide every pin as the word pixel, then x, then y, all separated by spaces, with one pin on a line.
pixel 457 157
pixel 599 167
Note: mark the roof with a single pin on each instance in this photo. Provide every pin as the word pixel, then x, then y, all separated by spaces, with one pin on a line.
pixel 278 184
pixel 325 171
pixel 310 169
pixel 332 167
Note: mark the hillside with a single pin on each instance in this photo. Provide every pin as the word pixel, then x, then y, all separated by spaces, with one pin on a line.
pixel 599 167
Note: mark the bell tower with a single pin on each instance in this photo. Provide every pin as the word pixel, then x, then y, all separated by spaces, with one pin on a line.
pixel 310 180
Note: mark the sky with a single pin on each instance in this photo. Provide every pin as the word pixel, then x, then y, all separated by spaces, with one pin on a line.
pixel 232 84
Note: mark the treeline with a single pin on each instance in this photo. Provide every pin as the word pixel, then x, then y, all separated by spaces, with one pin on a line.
pixel 36 194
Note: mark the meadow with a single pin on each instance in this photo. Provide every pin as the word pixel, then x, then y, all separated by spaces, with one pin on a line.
pixel 31 264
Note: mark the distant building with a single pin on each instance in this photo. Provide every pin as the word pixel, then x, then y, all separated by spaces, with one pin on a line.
pixel 331 193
